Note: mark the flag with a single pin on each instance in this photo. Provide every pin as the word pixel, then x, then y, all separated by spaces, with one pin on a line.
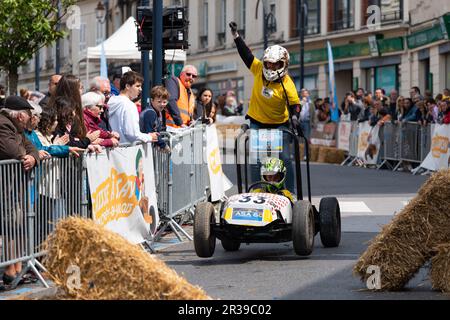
pixel 103 66
pixel 332 81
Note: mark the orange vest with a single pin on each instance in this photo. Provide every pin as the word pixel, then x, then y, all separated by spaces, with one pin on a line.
pixel 185 105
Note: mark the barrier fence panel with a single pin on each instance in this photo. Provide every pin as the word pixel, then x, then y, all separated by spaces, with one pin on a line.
pixel 14 207
pixel 425 141
pixel 58 194
pixel 409 150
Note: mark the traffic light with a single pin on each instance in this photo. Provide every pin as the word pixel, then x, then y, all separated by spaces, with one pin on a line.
pixel 175 28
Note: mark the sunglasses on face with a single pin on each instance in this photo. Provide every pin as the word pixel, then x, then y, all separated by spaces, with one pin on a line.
pixel 191 75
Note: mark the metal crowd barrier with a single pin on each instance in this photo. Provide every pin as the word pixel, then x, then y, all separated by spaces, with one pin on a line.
pixel 353 143
pixel 32 203
pixel 187 175
pixel 400 143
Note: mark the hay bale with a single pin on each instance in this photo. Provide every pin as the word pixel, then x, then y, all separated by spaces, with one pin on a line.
pixel 313 153
pixel 110 267
pixel 331 155
pixel 323 154
pixel 440 268
pixel 405 244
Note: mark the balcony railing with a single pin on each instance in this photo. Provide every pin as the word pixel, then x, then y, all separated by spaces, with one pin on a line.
pixel 203 42
pixel 342 24
pixel 221 38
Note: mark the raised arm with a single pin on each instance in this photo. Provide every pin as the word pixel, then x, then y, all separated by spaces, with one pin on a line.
pixel 244 51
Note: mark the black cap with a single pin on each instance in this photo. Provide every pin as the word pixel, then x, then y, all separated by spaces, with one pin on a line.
pixel 17 103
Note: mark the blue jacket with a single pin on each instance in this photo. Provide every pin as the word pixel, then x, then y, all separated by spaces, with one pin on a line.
pixel 149 121
pixel 54 150
pixel 411 115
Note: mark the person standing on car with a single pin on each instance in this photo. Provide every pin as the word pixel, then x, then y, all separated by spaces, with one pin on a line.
pixel 267 107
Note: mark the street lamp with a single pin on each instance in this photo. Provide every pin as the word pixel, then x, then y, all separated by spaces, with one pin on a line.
pixel 100 12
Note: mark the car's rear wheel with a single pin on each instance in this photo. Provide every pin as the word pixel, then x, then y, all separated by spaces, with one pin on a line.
pixel 303 228
pixel 330 222
pixel 204 237
pixel 230 245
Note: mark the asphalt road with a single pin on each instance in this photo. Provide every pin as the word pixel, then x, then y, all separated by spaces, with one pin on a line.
pixel 368 199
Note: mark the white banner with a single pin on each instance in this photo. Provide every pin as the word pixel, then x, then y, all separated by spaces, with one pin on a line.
pixel 218 181
pixel 368 143
pixel 438 158
pixel 122 187
pixel 344 131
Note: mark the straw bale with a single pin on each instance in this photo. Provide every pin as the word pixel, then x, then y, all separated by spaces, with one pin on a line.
pixel 323 154
pixel 332 155
pixel 440 268
pixel 405 244
pixel 313 153
pixel 111 268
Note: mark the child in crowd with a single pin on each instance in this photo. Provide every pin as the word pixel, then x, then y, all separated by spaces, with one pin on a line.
pixel 150 120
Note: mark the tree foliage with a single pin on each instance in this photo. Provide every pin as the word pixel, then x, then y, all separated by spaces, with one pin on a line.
pixel 25 27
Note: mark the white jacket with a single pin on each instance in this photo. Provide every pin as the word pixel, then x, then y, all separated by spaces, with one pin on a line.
pixel 124 119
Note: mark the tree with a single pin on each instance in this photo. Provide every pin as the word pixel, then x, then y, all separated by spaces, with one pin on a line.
pixel 25 27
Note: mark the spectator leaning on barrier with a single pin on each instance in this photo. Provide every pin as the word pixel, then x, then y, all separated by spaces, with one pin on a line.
pixel 101 85
pixel 14 118
pixel 115 84
pixel 150 120
pixel 393 96
pixel 67 102
pixel 400 108
pixel 46 129
pixel 364 115
pixel 205 108
pixel 46 152
pixel 52 83
pixel 446 94
pixel 181 99
pixel 352 106
pixel 92 103
pixel 123 114
pixel 410 111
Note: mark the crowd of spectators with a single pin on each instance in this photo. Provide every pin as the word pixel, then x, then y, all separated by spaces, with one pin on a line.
pixel 379 108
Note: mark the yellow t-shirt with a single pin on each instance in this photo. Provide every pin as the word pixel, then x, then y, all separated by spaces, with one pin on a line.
pixel 268 101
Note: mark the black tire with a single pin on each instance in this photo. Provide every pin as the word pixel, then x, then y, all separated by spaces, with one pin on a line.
pixel 230 245
pixel 303 228
pixel 204 238
pixel 330 222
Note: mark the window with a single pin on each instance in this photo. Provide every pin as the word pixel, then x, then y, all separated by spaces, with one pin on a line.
pixel 343 15
pixel 312 22
pixel 82 43
pixel 204 22
pixel 239 13
pixel 390 10
pixel 221 8
pixel 272 21
pixel 100 33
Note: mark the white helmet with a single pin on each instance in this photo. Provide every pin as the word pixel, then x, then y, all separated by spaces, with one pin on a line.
pixel 275 54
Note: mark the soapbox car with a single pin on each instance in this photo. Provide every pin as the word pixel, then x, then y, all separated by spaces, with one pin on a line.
pixel 261 217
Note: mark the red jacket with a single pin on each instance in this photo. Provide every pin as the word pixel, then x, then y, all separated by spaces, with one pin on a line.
pixel 446 118
pixel 92 123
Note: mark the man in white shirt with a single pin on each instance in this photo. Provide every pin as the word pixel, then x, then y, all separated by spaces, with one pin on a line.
pixel 123 113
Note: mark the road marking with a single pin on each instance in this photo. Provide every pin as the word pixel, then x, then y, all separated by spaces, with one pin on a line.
pixel 354 207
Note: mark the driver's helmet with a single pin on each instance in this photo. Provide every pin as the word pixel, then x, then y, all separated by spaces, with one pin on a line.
pixel 273 171
pixel 279 55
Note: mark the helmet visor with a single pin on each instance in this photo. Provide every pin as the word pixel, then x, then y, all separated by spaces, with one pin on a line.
pixel 274 66
pixel 273 177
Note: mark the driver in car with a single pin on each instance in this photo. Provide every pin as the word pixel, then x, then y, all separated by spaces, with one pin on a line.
pixel 273 171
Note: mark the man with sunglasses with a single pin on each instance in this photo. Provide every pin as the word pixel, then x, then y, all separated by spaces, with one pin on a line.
pixel 181 99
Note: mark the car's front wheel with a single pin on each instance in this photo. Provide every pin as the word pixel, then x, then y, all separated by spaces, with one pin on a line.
pixel 204 237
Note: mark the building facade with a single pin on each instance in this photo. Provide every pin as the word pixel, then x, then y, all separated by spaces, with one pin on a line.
pixel 407 46
pixel 392 44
